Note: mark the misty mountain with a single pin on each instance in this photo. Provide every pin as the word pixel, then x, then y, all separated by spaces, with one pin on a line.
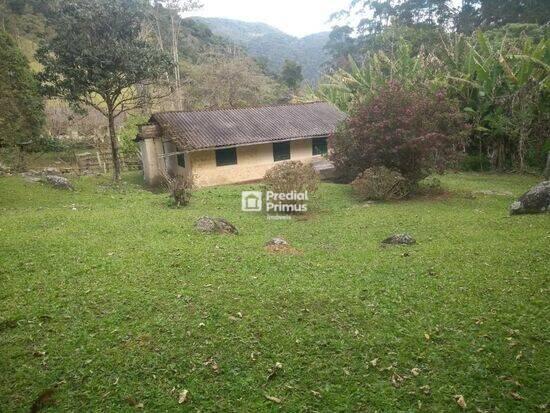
pixel 266 42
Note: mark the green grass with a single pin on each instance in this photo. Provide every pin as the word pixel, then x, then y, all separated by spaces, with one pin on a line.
pixel 121 302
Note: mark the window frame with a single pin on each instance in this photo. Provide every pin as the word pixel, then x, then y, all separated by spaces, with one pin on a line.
pixel 316 142
pixel 180 159
pixel 228 161
pixel 277 154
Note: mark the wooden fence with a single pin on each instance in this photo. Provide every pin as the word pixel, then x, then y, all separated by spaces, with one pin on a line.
pixel 102 162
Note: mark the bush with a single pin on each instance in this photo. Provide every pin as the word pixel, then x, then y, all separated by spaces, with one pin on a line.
pixel 380 184
pixel 180 188
pixel 292 176
pixel 288 177
pixel 412 132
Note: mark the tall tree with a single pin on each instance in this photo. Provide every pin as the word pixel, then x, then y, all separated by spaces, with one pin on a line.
pixel 175 8
pixel 21 108
pixel 497 13
pixel 97 59
pixel 291 74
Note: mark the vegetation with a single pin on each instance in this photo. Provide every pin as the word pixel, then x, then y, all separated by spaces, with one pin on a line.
pixel 393 131
pixel 380 184
pixel 97 59
pixel 291 74
pixel 179 187
pixel 502 85
pixel 292 176
pixel 111 326
pixel 263 41
pixel 220 81
pixel 21 107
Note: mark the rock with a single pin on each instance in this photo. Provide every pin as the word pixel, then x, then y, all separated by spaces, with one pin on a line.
pixel 51 171
pixel 32 177
pixel 215 226
pixel 399 239
pixel 58 182
pixel 277 241
pixel 534 201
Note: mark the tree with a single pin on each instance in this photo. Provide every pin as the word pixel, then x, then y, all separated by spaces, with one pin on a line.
pixel 497 13
pixel 291 74
pixel 175 8
pixel 393 131
pixel 229 82
pixel 341 45
pixel 21 106
pixel 97 59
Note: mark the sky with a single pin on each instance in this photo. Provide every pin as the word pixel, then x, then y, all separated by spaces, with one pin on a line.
pixel 296 17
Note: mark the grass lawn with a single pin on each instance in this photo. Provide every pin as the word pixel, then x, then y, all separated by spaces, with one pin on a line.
pixel 111 301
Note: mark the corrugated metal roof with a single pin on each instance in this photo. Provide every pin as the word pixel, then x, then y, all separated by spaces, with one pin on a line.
pixel 234 127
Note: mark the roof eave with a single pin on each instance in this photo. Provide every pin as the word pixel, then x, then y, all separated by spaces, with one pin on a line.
pixel 207 148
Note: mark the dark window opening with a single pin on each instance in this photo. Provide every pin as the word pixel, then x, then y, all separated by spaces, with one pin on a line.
pixel 226 157
pixel 281 151
pixel 320 146
pixel 181 160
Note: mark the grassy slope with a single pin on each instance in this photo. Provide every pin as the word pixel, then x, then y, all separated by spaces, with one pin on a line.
pixel 115 292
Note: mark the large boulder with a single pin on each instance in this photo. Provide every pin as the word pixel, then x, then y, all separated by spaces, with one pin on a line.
pixel 399 239
pixel 57 182
pixel 534 201
pixel 210 225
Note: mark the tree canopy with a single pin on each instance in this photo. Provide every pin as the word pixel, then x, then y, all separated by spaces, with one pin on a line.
pixel 21 107
pixel 98 58
pixel 291 74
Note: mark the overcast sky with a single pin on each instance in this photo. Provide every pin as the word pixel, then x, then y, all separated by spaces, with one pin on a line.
pixel 295 17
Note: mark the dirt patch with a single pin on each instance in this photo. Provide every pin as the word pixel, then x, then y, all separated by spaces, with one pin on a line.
pixel 283 250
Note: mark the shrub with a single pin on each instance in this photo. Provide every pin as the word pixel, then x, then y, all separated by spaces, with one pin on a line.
pixel 380 184
pixel 180 189
pixel 288 177
pixel 292 176
pixel 414 133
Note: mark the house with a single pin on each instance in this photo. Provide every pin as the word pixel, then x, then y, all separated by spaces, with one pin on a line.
pixel 218 147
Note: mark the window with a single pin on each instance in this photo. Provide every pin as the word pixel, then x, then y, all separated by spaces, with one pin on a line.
pixel 320 146
pixel 226 157
pixel 281 151
pixel 181 160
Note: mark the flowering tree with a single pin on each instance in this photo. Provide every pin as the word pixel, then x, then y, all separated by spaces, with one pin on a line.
pixel 412 132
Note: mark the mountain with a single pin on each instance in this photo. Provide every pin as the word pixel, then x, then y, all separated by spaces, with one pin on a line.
pixel 266 42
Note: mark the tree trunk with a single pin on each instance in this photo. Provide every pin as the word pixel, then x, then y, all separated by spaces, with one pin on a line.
pixel 114 147
pixel 547 169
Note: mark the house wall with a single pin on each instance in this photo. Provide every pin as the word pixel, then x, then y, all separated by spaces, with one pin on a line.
pixel 252 163
pixel 153 152
pixel 151 155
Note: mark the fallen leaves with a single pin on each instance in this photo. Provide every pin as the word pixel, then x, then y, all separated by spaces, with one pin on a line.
pixel 397 380
pixel 213 365
pixel 183 396
pixel 274 370
pixel 516 396
pixel 273 399
pixel 415 371
pixel 459 399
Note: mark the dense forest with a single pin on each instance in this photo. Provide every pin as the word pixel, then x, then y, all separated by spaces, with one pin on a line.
pixel 274 47
pixel 491 57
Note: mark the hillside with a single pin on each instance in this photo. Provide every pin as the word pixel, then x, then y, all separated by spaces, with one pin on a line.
pixel 264 41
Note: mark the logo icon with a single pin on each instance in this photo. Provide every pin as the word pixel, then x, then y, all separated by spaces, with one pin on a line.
pixel 251 201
